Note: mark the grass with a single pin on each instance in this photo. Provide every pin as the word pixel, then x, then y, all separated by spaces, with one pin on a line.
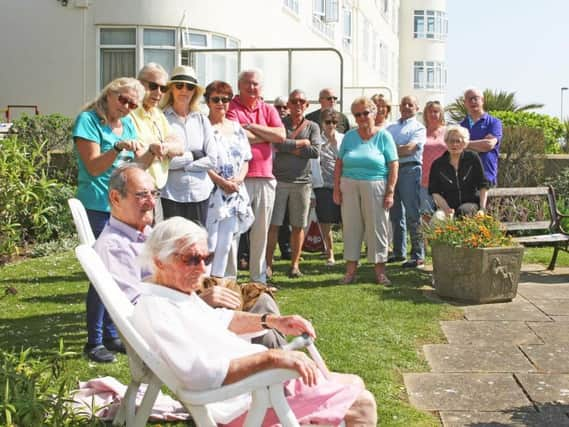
pixel 364 328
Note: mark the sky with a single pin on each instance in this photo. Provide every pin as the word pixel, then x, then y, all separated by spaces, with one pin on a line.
pixel 519 46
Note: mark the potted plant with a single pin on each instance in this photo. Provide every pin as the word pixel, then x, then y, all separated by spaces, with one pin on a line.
pixel 474 260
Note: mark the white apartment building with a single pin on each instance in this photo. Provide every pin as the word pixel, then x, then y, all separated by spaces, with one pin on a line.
pixel 58 54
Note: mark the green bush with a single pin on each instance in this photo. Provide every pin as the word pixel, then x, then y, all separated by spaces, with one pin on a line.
pixel 521 157
pixel 53 132
pixel 552 128
pixel 36 392
pixel 560 184
pixel 33 206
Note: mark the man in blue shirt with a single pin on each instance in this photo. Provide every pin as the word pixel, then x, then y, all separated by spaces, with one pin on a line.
pixel 485 133
pixel 410 137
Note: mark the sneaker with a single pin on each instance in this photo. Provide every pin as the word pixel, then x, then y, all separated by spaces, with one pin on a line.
pixel 394 258
pixel 330 262
pixel 414 263
pixel 99 354
pixel 114 344
pixel 269 273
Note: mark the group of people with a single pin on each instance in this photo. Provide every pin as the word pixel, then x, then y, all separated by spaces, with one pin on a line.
pixel 147 155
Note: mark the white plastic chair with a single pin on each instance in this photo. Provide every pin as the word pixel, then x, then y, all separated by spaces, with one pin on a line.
pixel 81 221
pixel 266 387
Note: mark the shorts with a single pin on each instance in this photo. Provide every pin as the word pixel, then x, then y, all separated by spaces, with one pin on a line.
pixel 426 202
pixel 295 198
pixel 327 211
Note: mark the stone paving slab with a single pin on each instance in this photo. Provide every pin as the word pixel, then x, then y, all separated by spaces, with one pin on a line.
pixel 533 291
pixel 505 418
pixel 550 333
pixel 470 358
pixel 516 310
pixel 556 307
pixel 550 391
pixel 464 392
pixel 548 357
pixel 560 318
pixel 489 332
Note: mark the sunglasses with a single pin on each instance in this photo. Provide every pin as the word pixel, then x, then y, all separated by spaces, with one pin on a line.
pixel 331 122
pixel 363 113
pixel 331 98
pixel 127 102
pixel 153 86
pixel 298 101
pixel 218 99
pixel 144 195
pixel 193 260
pixel 181 86
pixel 280 107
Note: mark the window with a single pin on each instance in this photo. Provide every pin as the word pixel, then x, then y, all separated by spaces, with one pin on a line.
pixel 117 54
pixel 429 75
pixel 430 24
pixel 160 47
pixel 324 14
pixel 347 27
pixel 292 5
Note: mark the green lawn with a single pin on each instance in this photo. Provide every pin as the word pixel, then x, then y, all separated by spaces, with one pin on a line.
pixel 364 328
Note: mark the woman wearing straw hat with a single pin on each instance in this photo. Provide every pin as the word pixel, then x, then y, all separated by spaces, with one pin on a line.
pixel 188 187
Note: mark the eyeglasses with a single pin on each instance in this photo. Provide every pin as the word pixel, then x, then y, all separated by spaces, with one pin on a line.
pixel 280 107
pixel 362 113
pixel 181 86
pixel 331 122
pixel 127 102
pixel 474 98
pixel 297 101
pixel 193 260
pixel 153 86
pixel 455 141
pixel 144 195
pixel 331 98
pixel 218 99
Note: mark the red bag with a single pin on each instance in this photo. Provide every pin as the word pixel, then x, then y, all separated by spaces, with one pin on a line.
pixel 313 241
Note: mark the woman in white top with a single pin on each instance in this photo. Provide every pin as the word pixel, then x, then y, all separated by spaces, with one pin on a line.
pixel 229 213
pixel 327 212
pixel 189 186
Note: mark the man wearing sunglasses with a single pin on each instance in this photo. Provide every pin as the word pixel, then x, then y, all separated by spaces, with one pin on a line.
pixel 328 99
pixel 133 196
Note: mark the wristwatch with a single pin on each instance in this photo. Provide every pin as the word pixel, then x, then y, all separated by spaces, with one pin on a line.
pixel 116 147
pixel 264 323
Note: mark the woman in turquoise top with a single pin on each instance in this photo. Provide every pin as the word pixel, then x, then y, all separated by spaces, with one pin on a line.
pixel 364 181
pixel 104 138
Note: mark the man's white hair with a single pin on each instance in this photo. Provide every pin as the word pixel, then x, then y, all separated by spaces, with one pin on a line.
pixel 472 89
pixel 255 71
pixel 170 236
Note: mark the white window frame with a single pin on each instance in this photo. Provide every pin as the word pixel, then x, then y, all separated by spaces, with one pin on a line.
pixel 429 75
pixel 324 17
pixel 143 46
pixel 436 19
pixel 347 17
pixel 292 6
pixel 101 46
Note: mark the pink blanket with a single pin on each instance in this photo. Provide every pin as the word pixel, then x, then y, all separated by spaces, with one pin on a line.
pixel 103 396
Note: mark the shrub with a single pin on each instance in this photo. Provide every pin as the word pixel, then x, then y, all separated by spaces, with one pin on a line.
pixel 521 157
pixel 560 184
pixel 33 205
pixel 35 392
pixel 552 128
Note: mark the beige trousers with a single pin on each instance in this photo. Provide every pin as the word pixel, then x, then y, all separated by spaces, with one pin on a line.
pixel 363 217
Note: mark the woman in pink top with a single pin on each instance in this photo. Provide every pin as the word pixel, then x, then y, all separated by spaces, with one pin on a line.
pixel 433 116
pixel 383 110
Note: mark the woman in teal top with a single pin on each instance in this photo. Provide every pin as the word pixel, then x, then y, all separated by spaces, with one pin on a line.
pixel 104 138
pixel 364 181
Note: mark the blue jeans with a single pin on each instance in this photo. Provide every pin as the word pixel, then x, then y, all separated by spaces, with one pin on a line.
pixel 405 213
pixel 99 323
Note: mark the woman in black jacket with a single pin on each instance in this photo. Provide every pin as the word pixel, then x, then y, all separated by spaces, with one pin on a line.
pixel 457 180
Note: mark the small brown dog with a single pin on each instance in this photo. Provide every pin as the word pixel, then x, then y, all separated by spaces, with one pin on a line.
pixel 249 292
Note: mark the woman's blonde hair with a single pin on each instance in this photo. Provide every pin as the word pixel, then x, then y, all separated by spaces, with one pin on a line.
pixel 120 85
pixel 194 104
pixel 368 103
pixel 431 104
pixel 463 132
pixel 377 97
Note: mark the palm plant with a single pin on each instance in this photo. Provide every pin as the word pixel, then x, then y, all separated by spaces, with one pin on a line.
pixel 493 101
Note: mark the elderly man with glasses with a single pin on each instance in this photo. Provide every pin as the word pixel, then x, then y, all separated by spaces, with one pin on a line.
pixel 328 99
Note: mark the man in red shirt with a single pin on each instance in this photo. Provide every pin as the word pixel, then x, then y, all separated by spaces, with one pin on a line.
pixel 263 125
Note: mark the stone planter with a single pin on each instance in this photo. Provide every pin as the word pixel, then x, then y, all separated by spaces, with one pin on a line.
pixel 477 275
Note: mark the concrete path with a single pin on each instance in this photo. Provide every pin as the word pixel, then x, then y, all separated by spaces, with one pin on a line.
pixel 504 364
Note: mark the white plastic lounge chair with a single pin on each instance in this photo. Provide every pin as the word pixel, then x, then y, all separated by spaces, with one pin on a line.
pixel 81 221
pixel 266 387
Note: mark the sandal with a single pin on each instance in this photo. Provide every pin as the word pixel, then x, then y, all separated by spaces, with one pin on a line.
pixel 349 278
pixel 382 279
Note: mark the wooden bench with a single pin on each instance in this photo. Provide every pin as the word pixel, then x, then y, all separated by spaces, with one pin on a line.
pixel 531 215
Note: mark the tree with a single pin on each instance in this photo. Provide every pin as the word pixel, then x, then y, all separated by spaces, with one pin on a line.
pixel 493 101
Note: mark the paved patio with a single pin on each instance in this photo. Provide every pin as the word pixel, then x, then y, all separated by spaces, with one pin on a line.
pixel 504 364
